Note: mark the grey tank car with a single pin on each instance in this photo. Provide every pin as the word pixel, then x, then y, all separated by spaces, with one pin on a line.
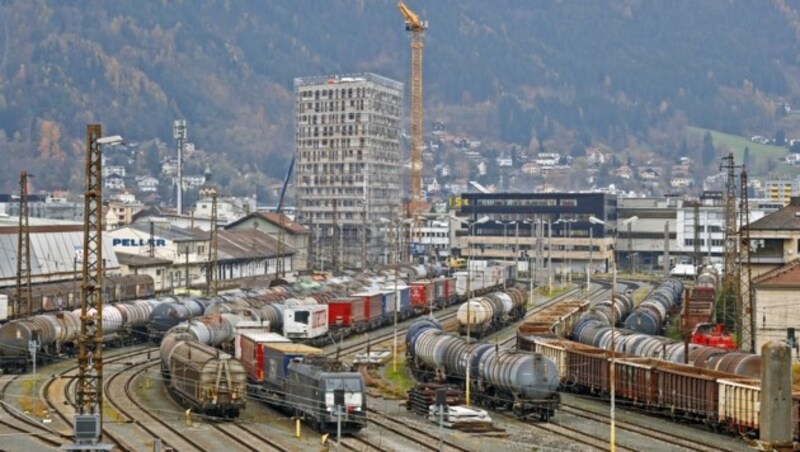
pixel 523 382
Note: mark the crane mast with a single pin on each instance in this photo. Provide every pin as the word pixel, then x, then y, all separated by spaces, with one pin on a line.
pixel 416 28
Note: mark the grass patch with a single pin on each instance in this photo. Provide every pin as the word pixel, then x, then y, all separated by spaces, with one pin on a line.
pixel 760 154
pixel 557 290
pixel 29 401
pixel 400 379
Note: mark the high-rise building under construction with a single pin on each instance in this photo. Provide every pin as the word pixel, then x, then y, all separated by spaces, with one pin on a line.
pixel 348 152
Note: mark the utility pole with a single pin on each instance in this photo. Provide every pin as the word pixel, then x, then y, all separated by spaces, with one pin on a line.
pixel 179 132
pixel 211 277
pixel 364 225
pixel 24 296
pixel 334 254
pixel 666 249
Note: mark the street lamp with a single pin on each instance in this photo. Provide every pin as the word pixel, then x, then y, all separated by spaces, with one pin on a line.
pixel 611 371
pixel 589 268
pixel 564 261
pixel 396 290
pixel 470 226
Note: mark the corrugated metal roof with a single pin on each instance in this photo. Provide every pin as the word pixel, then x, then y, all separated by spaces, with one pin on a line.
pixel 51 253
pixel 247 244
pixel 174 234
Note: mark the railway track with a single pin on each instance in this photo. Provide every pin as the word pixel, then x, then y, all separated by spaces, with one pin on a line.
pixel 248 439
pixel 680 443
pixel 418 436
pixel 19 422
pixel 58 394
pixel 357 443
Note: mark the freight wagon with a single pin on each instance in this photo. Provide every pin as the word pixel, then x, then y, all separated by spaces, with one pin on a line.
pixel 718 399
pixel 203 378
pixel 65 295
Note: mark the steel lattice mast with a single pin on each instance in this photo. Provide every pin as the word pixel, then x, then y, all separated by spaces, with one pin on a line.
pixel 730 276
pixel 211 277
pixel 23 251
pixel 89 390
pixel 746 306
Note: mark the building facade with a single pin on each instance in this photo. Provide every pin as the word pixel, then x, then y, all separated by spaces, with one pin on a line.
pixel 564 232
pixel 348 137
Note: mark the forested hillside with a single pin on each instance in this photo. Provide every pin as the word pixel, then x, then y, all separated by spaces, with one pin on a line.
pixel 571 73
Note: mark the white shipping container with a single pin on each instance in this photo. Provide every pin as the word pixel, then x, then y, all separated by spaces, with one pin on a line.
pixel 305 322
pixel 3 307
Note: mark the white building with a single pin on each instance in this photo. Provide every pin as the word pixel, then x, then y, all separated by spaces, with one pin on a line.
pixel 348 160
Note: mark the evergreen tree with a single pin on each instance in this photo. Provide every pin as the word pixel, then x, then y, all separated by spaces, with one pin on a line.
pixel 708 148
pixel 746 157
pixel 780 137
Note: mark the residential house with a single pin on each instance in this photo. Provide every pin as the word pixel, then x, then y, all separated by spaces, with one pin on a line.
pixel 624 172
pixel 595 156
pixel 545 159
pixel 114 182
pixel 147 184
pixel 776 304
pixel 118 213
pixel 680 182
pixel 649 174
pixel 169 167
pixel 118 170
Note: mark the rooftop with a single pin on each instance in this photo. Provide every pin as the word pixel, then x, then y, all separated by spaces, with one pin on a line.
pixel 347 78
pixel 787 218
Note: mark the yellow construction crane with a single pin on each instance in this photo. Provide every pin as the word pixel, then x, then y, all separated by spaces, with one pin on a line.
pixel 416 28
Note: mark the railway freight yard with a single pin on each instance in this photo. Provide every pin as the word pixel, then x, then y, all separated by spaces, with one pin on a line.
pixel 152 401
pixel 532 274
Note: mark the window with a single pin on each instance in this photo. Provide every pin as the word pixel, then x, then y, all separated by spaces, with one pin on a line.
pixel 301 317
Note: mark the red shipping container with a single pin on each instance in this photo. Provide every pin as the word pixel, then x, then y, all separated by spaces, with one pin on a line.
pixel 252 352
pixel 449 288
pixel 372 306
pixel 423 293
pixel 346 312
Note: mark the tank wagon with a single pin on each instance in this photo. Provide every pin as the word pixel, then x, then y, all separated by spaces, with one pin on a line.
pixel 522 382
pixel 57 332
pixel 653 312
pixel 491 312
pixel 202 377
